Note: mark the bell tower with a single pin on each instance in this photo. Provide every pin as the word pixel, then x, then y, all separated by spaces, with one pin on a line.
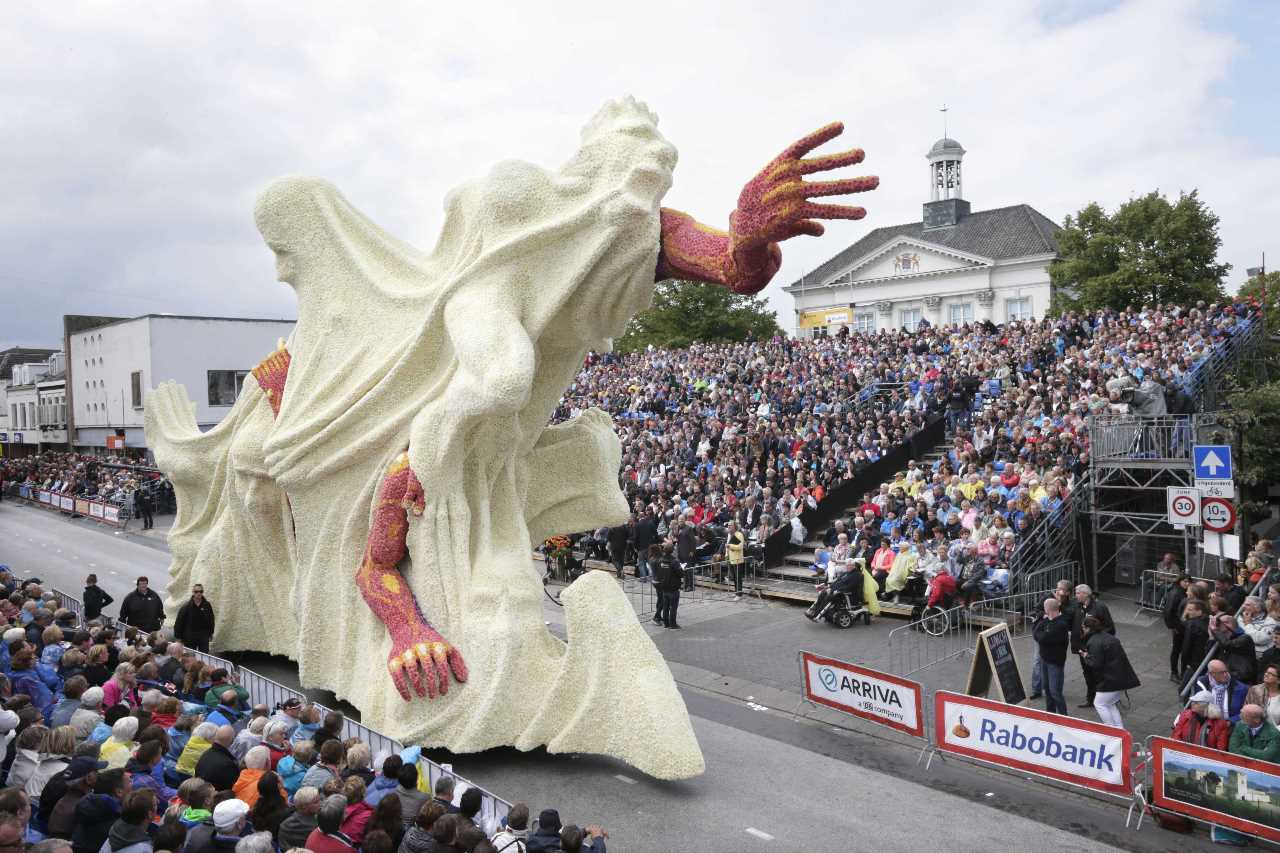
pixel 946 205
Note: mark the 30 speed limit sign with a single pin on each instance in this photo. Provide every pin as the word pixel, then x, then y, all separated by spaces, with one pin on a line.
pixel 1217 514
pixel 1184 506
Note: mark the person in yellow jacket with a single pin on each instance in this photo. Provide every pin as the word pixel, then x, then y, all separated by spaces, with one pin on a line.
pixel 198 745
pixel 735 553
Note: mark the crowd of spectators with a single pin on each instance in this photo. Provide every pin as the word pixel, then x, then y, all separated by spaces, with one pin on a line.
pixel 85 476
pixel 755 432
pixel 127 742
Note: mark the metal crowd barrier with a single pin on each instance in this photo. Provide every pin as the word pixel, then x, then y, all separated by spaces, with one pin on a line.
pixel 70 602
pixel 941 636
pixel 1153 587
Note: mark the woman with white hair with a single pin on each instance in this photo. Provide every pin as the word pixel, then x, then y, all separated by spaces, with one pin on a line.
pixel 117 749
pixel 86 718
pixel 249 737
pixel 55 755
pixel 197 746
pixel 257 763
pixel 275 737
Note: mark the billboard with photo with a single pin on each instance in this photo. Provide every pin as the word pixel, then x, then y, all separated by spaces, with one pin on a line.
pixel 1218 787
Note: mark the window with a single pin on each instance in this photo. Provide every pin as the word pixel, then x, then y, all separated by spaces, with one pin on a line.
pixel 865 323
pixel 961 313
pixel 1018 309
pixel 135 388
pixel 909 318
pixel 224 386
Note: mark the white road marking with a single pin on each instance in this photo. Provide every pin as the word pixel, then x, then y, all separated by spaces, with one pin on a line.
pixel 763 836
pixel 626 779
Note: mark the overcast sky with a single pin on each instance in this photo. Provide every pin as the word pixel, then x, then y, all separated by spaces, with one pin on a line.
pixel 135 138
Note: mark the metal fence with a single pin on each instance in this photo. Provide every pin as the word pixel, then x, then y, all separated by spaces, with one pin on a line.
pixel 939 637
pixel 264 691
pixel 1165 438
pixel 1153 587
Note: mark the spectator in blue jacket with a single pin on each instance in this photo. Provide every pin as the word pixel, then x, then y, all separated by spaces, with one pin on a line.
pixel 1228 692
pixel 26 680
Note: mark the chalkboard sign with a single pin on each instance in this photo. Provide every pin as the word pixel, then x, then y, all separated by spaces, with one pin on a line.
pixel 994 656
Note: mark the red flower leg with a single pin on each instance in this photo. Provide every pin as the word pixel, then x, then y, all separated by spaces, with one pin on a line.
pixel 420 657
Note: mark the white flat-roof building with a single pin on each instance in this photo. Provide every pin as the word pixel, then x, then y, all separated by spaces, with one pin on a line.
pixel 953 266
pixel 110 366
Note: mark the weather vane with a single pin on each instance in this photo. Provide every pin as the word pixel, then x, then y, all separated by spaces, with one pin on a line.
pixel 944 120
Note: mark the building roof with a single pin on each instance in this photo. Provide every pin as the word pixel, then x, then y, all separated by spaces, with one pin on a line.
pixel 946 143
pixel 999 234
pixel 21 355
pixel 112 321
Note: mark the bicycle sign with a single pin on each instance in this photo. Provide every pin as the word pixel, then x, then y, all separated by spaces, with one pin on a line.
pixel 1217 515
pixel 1183 506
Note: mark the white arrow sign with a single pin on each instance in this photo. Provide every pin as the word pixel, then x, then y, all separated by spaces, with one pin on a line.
pixel 1213 462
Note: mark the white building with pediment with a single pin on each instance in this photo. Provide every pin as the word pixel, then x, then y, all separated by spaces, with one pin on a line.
pixel 954 266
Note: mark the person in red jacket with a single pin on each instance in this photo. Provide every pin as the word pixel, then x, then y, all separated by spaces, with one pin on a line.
pixel 1202 722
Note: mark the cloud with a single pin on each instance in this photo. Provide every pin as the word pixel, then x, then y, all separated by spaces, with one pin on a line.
pixel 137 137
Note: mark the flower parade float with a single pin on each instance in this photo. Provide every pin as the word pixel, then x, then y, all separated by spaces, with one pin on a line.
pixel 368 506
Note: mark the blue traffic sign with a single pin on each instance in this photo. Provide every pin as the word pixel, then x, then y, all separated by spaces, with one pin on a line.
pixel 1213 461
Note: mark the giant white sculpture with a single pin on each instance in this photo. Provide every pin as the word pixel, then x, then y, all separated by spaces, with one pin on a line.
pixel 408 411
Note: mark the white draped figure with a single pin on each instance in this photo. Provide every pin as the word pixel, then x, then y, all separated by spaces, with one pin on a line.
pixel 458 356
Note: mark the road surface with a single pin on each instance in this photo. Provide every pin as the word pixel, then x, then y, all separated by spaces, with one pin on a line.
pixel 774 781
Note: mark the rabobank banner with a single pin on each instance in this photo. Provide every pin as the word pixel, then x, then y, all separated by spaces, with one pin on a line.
pixel 1064 748
pixel 875 696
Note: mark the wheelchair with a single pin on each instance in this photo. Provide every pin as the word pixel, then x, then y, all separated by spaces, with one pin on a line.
pixel 842 610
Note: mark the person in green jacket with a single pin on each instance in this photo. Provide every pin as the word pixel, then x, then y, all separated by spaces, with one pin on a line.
pixel 1254 736
pixel 223 681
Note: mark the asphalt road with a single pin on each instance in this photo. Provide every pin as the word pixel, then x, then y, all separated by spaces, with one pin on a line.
pixel 774 780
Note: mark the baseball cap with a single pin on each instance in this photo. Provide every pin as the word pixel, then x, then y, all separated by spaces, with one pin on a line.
pixel 292 702
pixel 229 812
pixel 81 766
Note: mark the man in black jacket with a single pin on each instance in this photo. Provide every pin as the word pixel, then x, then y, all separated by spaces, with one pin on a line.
pixel 98 811
pixel 618 538
pixel 1052 632
pixel 194 625
pixel 667 581
pixel 218 766
pixel 142 608
pixel 142 507
pixel 1087 605
pixel 645 534
pixel 1227 587
pixel 1195 638
pixel 94 598
pixel 1171 610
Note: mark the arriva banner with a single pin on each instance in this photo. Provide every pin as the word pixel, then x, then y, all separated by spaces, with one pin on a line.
pixel 875 696
pixel 1077 751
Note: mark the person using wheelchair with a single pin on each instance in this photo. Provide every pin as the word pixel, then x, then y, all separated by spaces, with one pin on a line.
pixel 843 580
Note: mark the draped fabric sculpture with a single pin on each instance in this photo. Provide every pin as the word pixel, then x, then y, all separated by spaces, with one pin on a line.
pixel 367 507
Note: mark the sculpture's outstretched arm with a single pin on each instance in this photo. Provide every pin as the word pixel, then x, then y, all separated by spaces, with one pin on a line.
pixel 774 206
pixel 419 655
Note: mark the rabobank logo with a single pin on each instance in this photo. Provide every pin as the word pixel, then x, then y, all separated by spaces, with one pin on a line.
pixel 828 677
pixel 1029 740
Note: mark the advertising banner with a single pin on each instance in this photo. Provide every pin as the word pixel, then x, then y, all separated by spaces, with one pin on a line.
pixel 82 506
pixel 67 502
pixel 876 696
pixel 46 496
pixel 1218 787
pixel 111 513
pixel 1077 751
pixel 95 510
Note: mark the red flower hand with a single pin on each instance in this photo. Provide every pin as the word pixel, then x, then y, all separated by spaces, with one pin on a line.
pixel 421 657
pixel 774 206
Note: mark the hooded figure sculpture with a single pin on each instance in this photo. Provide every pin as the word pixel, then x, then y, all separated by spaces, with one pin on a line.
pixel 400 439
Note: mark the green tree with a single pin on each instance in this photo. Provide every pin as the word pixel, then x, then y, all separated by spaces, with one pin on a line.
pixel 1253 288
pixel 1150 250
pixel 687 311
